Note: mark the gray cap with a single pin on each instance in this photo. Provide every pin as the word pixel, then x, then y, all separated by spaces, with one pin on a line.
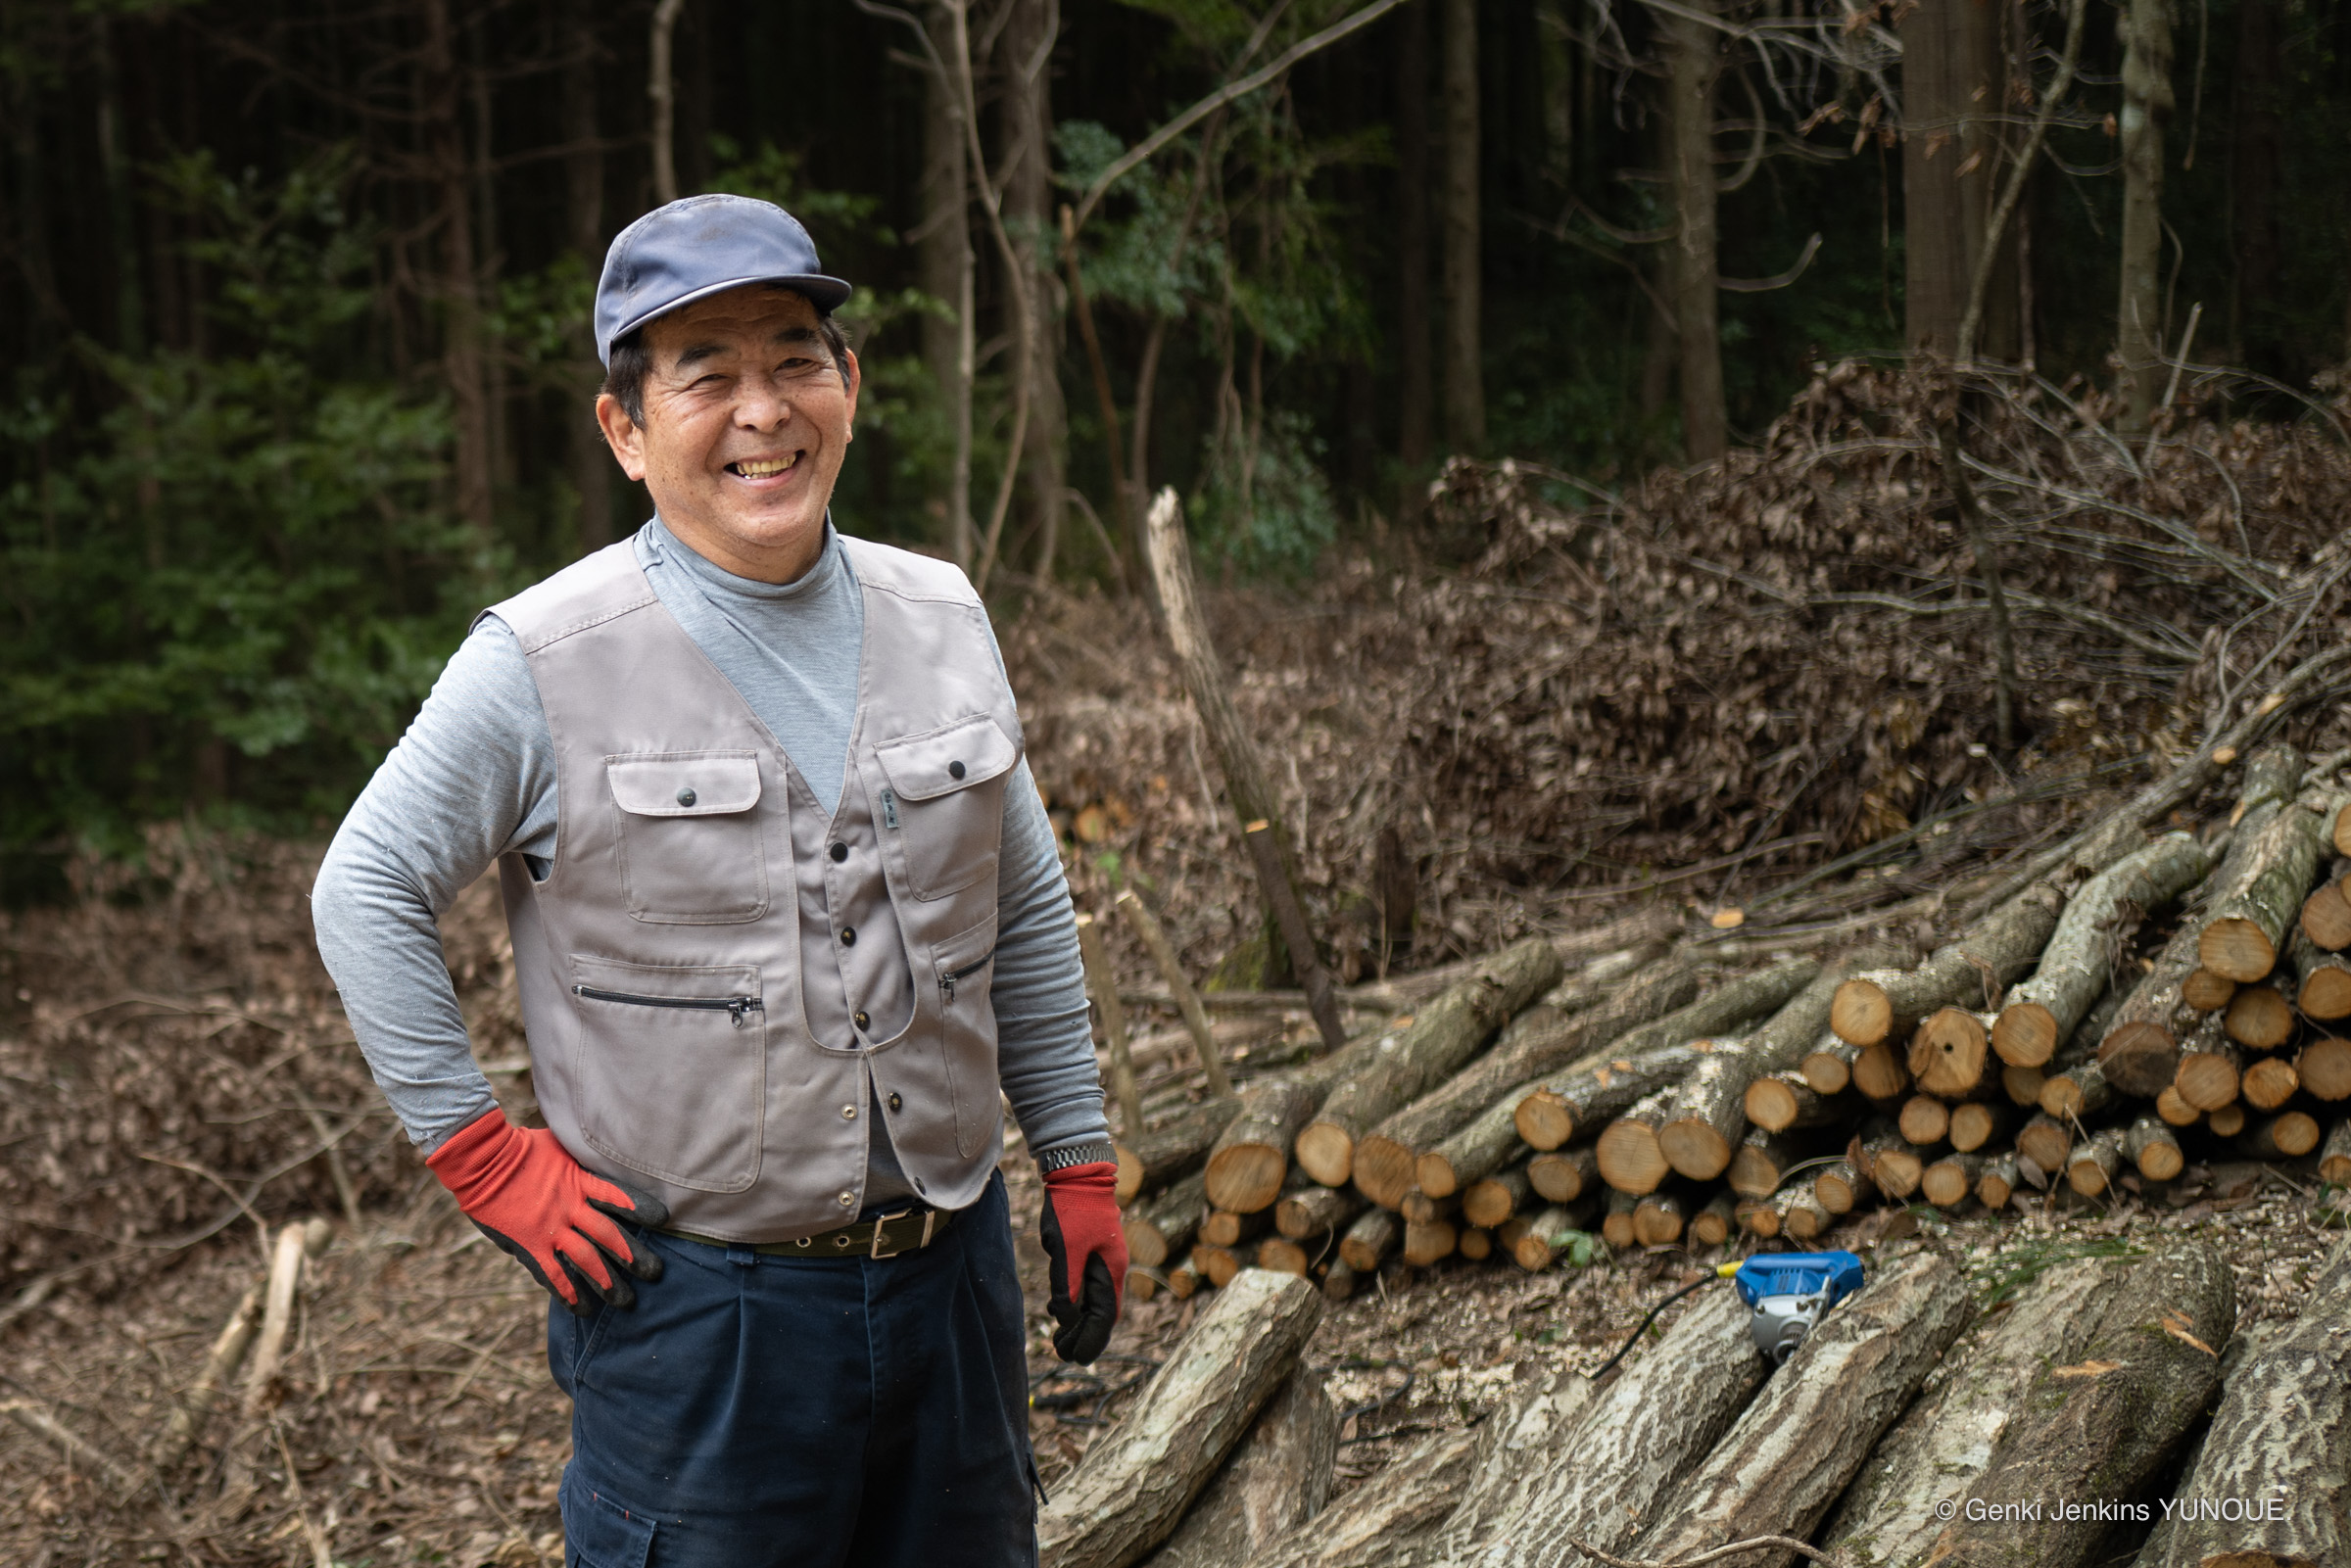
pixel 702 244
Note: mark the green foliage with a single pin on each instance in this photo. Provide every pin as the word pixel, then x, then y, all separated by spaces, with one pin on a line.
pixel 242 553
pixel 1265 508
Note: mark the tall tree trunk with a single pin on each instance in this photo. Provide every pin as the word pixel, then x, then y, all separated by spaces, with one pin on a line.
pixel 660 86
pixel 1694 60
pixel 489 249
pixel 2256 174
pixel 2147 27
pixel 1555 46
pixel 437 92
pixel 590 464
pixel 1953 94
pixel 1465 377
pixel 947 271
pixel 1025 58
pixel 1415 402
pixel 114 162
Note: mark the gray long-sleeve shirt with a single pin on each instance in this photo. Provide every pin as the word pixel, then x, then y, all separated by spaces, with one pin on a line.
pixel 474 777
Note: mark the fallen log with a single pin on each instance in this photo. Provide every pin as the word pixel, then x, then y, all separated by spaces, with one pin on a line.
pixel 1387 1161
pixel 2141 1052
pixel 2100 1427
pixel 1616 1220
pixel 2176 1112
pixel 1219 1265
pixel 1880 1073
pixel 2323 1067
pixel 2321 979
pixel 2228 1121
pixel 1338 1282
pixel 2093 1165
pixel 2288 1136
pixel 1950 1052
pixel 1658 1219
pixel 1223 1228
pixel 1369 1241
pixel 1136 1481
pixel 1707 1114
pixel 1630 1159
pixel 1251 1157
pixel 1489 1201
pixel 1997 1183
pixel 1839 1186
pixel 2081 1090
pixel 1780 1101
pixel 1405 1064
pixel 2278 1455
pixel 2206 993
pixel 1277 1479
pixel 1183 1279
pixel 2334 1159
pixel 1759 1217
pixel 2247 922
pixel 2261 1017
pixel 1924 1120
pixel 1315 1211
pixel 1712 1226
pixel 1284 1256
pixel 2211 1067
pixel 1511 1445
pixel 1941 1445
pixel 1761 1163
pixel 1643 1432
pixel 1828 1067
pixel 1385 1524
pixel 1428 1241
pixel 2327 916
pixel 1951 1181
pixel 1801 1214
pixel 1553 1232
pixel 1978 1122
pixel 1786 1461
pixel 1886 1004
pixel 2046 1141
pixel 1163 1227
pixel 1475 1245
pixel 2038 1015
pixel 1881 1153
pixel 1547 1112
pixel 1563 1175
pixel 2153 1149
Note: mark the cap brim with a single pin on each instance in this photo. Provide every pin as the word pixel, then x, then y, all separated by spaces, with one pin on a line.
pixel 827 294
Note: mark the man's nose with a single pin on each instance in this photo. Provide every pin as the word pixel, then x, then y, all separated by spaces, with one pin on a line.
pixel 761 406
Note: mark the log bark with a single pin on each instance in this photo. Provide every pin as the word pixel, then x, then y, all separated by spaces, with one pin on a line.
pixel 1338 1282
pixel 1563 1175
pixel 1708 1115
pixel 1807 1435
pixel 1548 1112
pixel 2153 1149
pixel 1277 1479
pixel 1802 1215
pixel 2141 1052
pixel 1405 1064
pixel 1513 1445
pixel 1786 1100
pixel 2325 1069
pixel 1762 1161
pixel 2100 1427
pixel 1369 1241
pixel 1387 1523
pixel 1251 1158
pixel 2289 1136
pixel 2092 1168
pixel 1648 1426
pixel 1841 1187
pixel 2038 1015
pixel 1951 1180
pixel 1315 1211
pixel 1886 1004
pixel 1997 1183
pixel 1494 1199
pixel 1387 1161
pixel 1154 937
pixel 1163 1227
pixel 2247 922
pixel 1183 1279
pixel 2281 1439
pixel 2334 1159
pixel 1828 1066
pixel 1942 1443
pixel 1136 1481
pixel 1165 1154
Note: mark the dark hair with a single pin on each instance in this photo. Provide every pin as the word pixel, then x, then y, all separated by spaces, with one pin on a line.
pixel 624 375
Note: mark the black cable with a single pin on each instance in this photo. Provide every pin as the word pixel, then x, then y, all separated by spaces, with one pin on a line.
pixel 1610 1364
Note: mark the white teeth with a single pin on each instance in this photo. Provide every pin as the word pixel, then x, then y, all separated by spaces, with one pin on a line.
pixel 763 468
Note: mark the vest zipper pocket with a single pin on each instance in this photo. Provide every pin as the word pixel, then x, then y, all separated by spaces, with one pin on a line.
pixel 946 981
pixel 734 1006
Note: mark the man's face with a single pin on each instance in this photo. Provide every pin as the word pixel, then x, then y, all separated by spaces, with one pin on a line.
pixel 747 421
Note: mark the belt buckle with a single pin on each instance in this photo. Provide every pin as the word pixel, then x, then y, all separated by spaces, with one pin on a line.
pixel 876 1252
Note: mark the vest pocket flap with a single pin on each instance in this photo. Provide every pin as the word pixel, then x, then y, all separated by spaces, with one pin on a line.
pixel 684 784
pixel 967 752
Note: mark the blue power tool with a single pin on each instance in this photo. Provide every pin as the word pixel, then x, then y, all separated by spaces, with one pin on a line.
pixel 1789 1292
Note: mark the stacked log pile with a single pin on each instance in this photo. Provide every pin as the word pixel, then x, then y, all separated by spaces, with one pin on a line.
pixel 1520 1117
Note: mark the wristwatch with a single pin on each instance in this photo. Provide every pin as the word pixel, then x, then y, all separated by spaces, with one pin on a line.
pixel 1076 1154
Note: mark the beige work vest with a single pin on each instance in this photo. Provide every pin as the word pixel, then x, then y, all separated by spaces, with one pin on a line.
pixel 673 1044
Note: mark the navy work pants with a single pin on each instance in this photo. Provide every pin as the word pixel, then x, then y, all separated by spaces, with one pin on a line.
pixel 818 1412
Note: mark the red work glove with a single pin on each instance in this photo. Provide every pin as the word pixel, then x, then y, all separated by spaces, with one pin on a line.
pixel 1083 1239
pixel 527 1194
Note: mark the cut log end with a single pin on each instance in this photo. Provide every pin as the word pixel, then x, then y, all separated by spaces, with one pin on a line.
pixel 1544 1119
pixel 1860 1013
pixel 1923 1119
pixel 2269 1083
pixel 1245 1177
pixel 2139 1057
pixel 1695 1149
pixel 1947 1058
pixel 2260 1018
pixel 1325 1150
pixel 2205 991
pixel 2236 949
pixel 1629 1158
pixel 1879 1074
pixel 2026 1035
pixel 2284 1137
pixel 1383 1170
pixel 1771 1103
pixel 2325 1069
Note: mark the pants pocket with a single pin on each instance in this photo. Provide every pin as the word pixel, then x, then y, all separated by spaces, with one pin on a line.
pixel 599 1532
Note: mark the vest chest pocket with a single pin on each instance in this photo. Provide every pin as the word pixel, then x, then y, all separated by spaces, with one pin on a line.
pixel 945 802
pixel 693 850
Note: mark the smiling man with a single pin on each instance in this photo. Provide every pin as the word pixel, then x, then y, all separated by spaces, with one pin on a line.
pixel 789 930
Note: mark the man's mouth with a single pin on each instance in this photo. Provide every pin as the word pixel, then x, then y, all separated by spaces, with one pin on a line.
pixel 763 468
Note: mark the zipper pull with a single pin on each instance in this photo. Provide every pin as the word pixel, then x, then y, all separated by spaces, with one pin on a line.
pixel 737 1006
pixel 890 809
pixel 946 983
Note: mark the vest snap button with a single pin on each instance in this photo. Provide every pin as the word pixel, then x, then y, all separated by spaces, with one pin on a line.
pixel 686 796
pixel 849 1112
pixel 846 1199
pixel 840 852
pixel 897 1104
pixel 954 770
pixel 859 1018
pixel 848 936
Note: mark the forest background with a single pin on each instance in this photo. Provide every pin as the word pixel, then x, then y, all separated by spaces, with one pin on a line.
pixel 298 371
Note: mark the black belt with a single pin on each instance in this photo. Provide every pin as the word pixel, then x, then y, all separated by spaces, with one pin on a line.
pixel 885 1236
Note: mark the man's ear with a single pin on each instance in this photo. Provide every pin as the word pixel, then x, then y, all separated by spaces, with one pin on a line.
pixel 855 379
pixel 624 436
